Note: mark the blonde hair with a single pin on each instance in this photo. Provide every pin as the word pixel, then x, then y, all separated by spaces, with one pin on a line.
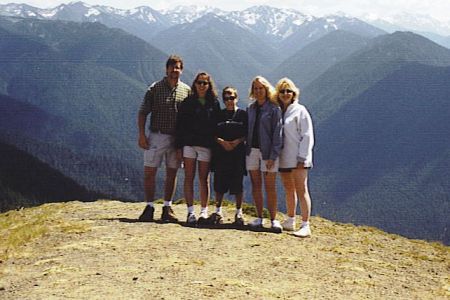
pixel 269 89
pixel 286 83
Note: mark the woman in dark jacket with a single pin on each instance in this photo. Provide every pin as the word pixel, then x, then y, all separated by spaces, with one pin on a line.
pixel 196 121
pixel 229 155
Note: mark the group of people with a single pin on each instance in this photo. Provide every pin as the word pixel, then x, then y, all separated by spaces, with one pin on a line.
pixel 187 126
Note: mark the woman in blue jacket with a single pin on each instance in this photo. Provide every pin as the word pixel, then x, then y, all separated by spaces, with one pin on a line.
pixel 263 148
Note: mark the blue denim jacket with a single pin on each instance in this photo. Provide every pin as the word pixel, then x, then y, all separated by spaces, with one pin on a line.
pixel 270 129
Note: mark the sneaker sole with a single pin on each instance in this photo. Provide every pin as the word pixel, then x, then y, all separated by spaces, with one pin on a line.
pixel 276 230
pixel 169 220
pixel 301 236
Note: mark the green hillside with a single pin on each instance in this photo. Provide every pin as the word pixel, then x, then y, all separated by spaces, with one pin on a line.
pixel 383 158
pixel 364 68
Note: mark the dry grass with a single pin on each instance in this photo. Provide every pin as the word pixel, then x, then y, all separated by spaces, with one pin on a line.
pixel 98 250
pixel 19 227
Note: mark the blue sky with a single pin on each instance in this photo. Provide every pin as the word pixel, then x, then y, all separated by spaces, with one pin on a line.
pixel 438 9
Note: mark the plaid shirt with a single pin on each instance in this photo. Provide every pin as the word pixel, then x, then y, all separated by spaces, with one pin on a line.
pixel 162 102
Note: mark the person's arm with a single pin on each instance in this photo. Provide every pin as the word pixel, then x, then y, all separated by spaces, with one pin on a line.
pixel 277 129
pixel 181 127
pixel 144 110
pixel 306 139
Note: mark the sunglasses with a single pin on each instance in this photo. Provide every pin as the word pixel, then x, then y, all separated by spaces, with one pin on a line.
pixel 229 98
pixel 202 82
pixel 286 91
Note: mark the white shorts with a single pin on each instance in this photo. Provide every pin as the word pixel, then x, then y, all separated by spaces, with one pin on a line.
pixel 161 146
pixel 197 152
pixel 254 162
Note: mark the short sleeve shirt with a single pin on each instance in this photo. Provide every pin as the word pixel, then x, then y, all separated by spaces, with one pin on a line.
pixel 162 101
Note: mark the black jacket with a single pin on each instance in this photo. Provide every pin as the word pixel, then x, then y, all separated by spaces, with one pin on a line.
pixel 196 123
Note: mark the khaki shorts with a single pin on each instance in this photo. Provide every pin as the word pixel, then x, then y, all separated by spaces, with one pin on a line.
pixel 161 147
pixel 254 162
pixel 197 152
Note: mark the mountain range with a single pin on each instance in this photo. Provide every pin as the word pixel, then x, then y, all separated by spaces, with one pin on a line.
pixel 267 22
pixel 69 94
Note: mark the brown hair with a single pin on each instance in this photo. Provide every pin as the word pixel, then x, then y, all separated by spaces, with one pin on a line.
pixel 229 89
pixel 211 93
pixel 173 60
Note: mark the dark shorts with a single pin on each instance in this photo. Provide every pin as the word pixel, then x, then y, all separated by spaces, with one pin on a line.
pixel 228 181
pixel 288 170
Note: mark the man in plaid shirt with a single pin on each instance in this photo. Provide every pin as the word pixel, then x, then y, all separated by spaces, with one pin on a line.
pixel 161 102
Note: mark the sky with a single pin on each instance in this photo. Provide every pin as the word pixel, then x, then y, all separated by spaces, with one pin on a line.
pixel 438 9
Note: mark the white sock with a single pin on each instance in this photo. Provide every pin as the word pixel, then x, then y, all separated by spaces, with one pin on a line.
pixel 150 204
pixel 291 219
pixel 305 223
pixel 167 203
pixel 204 210
pixel 219 210
pixel 191 209
pixel 239 211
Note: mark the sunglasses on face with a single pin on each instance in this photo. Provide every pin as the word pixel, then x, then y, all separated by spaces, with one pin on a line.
pixel 202 82
pixel 286 91
pixel 229 98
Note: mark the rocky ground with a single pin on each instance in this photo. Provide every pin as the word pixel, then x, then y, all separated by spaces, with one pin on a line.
pixel 98 250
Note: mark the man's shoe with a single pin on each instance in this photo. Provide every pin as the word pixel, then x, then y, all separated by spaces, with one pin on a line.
pixel 256 223
pixel 216 219
pixel 168 216
pixel 238 220
pixel 276 226
pixel 147 214
pixel 288 225
pixel 203 218
pixel 191 220
pixel 305 231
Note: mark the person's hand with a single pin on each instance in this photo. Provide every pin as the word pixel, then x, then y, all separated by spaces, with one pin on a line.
pixel 269 164
pixel 225 144
pixel 235 142
pixel 228 146
pixel 179 155
pixel 143 142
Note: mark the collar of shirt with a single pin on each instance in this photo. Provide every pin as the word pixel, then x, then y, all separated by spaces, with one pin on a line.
pixel 166 82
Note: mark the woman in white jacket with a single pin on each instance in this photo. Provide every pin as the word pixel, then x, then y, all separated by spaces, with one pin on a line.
pixel 296 155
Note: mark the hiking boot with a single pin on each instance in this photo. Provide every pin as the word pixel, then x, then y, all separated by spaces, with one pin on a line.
pixel 303 232
pixel 288 225
pixel 238 220
pixel 256 223
pixel 203 218
pixel 276 226
pixel 191 220
pixel 216 219
pixel 168 216
pixel 147 214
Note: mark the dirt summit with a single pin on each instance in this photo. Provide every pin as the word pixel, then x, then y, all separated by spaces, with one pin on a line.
pixel 98 250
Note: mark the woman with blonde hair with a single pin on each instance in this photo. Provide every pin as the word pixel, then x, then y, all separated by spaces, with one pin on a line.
pixel 263 148
pixel 296 155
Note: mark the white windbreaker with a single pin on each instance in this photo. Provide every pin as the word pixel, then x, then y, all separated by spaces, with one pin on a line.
pixel 298 137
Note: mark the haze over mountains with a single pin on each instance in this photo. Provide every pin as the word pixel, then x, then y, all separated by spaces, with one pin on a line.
pixel 70 89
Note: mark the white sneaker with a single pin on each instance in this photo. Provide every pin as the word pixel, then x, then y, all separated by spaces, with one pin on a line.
pixel 203 214
pixel 304 231
pixel 288 225
pixel 256 223
pixel 276 226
